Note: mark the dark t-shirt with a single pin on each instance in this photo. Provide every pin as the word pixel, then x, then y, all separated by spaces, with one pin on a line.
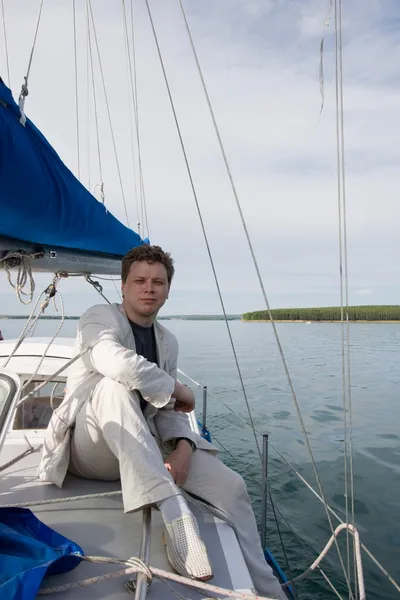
pixel 145 341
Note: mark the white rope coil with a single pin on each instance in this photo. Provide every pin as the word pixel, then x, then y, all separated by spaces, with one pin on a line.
pixel 21 261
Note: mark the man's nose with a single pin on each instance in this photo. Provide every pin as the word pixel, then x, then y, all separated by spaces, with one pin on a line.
pixel 149 287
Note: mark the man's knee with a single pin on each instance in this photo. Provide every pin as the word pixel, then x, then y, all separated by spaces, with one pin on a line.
pixel 240 486
pixel 110 385
pixel 235 486
pixel 111 391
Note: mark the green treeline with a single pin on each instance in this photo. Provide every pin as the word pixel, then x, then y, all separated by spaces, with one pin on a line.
pixel 327 313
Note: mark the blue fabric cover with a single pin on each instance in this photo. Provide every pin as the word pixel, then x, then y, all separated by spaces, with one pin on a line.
pixel 29 550
pixel 41 201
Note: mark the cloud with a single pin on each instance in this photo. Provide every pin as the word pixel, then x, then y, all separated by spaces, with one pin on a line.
pixel 260 62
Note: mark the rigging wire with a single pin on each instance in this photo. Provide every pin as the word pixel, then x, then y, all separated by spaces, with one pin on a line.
pixel 88 60
pixel 98 287
pixel 132 92
pixel 344 289
pixel 24 88
pixel 202 223
pixel 108 111
pixel 274 509
pixel 54 291
pixel 210 255
pixel 302 479
pixel 321 58
pixel 261 283
pixel 348 365
pixel 144 218
pixel 48 293
pixel 117 290
pixel 289 464
pixel 76 88
pixel 5 42
pixel 90 53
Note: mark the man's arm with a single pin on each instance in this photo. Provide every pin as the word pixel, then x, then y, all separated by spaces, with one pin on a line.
pixel 170 423
pixel 110 358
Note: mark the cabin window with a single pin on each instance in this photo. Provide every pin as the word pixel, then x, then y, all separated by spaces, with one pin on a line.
pixel 36 412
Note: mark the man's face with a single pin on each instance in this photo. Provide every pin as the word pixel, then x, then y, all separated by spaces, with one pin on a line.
pixel 146 288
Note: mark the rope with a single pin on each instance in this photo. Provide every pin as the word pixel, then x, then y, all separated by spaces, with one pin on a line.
pixel 50 294
pixel 305 547
pixel 62 500
pixel 31 322
pixel 107 278
pixel 24 88
pixel 76 88
pixel 325 551
pixel 108 110
pixel 261 283
pixel 139 566
pixel 5 42
pixel 52 395
pixel 22 260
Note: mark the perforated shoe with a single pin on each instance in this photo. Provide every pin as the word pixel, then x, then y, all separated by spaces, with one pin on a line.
pixel 186 550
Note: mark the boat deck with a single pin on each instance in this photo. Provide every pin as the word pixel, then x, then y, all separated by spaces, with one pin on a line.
pixel 101 528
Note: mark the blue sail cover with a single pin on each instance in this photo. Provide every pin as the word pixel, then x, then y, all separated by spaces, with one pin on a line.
pixel 41 201
pixel 29 550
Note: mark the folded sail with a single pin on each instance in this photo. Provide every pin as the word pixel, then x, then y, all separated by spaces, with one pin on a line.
pixel 42 202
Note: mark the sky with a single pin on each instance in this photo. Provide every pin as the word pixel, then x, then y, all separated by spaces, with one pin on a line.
pixel 260 60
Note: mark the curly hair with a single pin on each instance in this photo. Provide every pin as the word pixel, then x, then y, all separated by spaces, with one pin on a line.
pixel 151 254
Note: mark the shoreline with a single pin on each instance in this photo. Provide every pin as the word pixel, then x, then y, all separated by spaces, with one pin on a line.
pixel 310 321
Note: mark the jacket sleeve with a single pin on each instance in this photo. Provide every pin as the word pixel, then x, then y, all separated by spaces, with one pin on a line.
pixel 111 359
pixel 172 424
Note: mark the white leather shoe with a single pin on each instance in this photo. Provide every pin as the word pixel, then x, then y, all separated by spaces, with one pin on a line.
pixel 186 550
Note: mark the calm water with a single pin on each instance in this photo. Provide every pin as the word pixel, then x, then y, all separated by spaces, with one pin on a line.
pixel 313 353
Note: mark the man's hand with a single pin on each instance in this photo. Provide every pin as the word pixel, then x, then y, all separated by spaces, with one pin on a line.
pixel 179 461
pixel 184 398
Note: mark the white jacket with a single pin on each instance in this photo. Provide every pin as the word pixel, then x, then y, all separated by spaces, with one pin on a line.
pixel 114 356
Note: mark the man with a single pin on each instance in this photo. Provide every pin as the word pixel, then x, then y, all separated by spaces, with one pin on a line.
pixel 124 410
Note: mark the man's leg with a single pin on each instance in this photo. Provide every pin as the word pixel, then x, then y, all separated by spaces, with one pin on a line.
pixel 213 481
pixel 112 440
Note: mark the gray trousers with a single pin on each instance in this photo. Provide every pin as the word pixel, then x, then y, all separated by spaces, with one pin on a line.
pixel 112 440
